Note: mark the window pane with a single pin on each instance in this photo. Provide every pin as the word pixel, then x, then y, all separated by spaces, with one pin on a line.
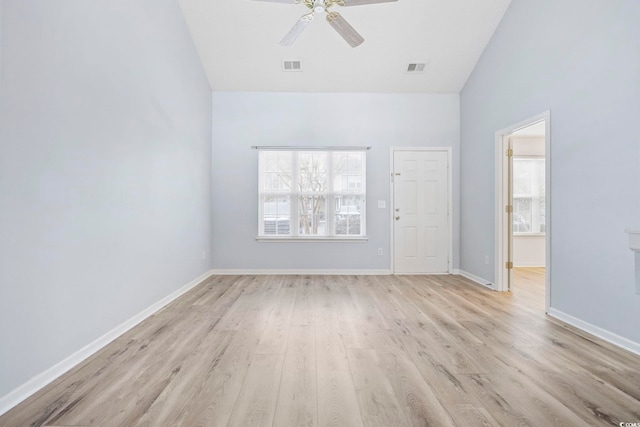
pixel 312 214
pixel 540 187
pixel 312 170
pixel 348 173
pixel 348 215
pixel 275 182
pixel 521 214
pixel 521 177
pixel 529 195
pixel 276 171
pixel 276 215
pixel 542 226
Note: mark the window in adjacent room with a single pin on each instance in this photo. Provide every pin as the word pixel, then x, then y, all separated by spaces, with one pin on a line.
pixel 528 195
pixel 312 194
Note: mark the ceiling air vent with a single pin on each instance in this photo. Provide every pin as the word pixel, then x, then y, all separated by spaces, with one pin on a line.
pixel 416 67
pixel 293 65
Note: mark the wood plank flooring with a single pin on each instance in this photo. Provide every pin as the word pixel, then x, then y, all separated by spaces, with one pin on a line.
pixel 347 351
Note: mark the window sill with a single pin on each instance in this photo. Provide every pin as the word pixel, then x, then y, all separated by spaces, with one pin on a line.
pixel 266 239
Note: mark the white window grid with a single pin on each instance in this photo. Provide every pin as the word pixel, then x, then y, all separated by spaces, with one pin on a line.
pixel 295 194
pixel 532 196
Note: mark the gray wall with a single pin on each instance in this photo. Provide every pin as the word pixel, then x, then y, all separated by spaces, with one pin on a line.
pixel 1 38
pixel 105 133
pixel 581 61
pixel 241 120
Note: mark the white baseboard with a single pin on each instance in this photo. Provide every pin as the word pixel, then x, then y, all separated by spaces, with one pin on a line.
pixel 310 272
pixel 21 393
pixel 474 278
pixel 597 331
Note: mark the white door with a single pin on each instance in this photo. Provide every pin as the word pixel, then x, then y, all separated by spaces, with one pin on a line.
pixel 421 211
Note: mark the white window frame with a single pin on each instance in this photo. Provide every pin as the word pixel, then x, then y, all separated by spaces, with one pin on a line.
pixel 535 213
pixel 330 195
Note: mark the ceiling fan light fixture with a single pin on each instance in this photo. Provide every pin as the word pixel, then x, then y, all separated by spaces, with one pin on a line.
pixel 338 23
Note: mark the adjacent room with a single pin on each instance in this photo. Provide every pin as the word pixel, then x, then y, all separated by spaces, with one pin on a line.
pixel 319 212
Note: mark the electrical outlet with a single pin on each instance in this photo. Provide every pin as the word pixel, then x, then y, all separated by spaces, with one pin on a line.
pixel 379 251
pixel 486 259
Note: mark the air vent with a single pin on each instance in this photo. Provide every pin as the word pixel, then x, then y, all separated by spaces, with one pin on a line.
pixel 293 65
pixel 416 67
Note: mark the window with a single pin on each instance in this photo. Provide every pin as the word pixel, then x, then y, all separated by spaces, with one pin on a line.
pixel 528 195
pixel 311 194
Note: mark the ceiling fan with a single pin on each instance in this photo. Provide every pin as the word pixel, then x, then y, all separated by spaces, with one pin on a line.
pixel 334 19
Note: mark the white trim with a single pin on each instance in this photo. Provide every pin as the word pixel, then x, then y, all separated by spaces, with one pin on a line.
pixel 449 151
pixel 318 239
pixel 311 148
pixel 597 331
pixel 634 238
pixel 392 244
pixel 308 272
pixel 420 148
pixel 477 279
pixel 418 273
pixel 527 265
pixel 501 233
pixel 501 198
pixel 548 189
pixel 634 245
pixel 36 383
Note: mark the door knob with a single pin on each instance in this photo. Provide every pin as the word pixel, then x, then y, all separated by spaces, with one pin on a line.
pixel 397 218
pixel 397 209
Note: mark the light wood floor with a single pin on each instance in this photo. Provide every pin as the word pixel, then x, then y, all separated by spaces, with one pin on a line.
pixel 528 285
pixel 346 351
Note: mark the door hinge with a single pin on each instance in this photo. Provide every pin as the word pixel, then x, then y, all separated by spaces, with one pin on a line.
pixel 509 152
pixel 508 209
pixel 508 265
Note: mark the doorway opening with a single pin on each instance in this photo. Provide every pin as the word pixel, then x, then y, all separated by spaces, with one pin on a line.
pixel 523 191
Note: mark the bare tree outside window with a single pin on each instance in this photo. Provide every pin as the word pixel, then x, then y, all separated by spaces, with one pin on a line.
pixel 312 193
pixel 312 187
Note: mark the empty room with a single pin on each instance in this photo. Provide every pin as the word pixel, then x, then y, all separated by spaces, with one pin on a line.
pixel 319 213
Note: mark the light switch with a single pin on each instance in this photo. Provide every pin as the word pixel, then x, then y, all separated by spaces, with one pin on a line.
pixel 382 204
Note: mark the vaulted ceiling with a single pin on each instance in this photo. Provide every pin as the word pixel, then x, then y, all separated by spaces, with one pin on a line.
pixel 238 43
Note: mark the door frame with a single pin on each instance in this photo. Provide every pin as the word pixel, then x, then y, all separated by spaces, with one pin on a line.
pixel 392 151
pixel 502 196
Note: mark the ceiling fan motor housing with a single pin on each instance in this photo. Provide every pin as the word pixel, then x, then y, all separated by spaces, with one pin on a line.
pixel 342 27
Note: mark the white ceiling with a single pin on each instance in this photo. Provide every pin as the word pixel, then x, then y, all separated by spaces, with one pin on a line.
pixel 238 43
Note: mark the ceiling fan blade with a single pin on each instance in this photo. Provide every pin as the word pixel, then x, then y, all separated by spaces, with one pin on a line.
pixel 297 29
pixel 360 2
pixel 344 29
